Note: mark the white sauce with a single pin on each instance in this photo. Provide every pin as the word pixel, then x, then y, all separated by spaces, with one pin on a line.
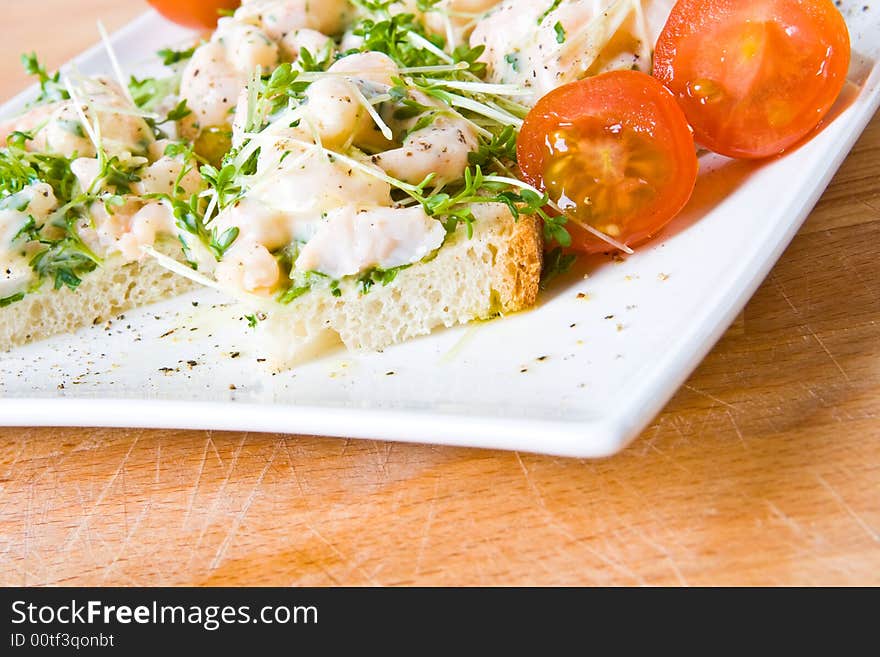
pixel 353 240
pixel 16 274
pixel 596 35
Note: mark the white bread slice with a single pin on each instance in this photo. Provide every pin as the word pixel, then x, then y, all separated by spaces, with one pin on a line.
pixel 103 294
pixel 496 271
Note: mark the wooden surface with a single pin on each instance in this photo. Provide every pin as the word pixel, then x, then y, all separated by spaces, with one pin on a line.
pixel 764 469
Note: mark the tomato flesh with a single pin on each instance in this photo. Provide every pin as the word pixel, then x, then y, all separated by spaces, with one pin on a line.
pixel 199 14
pixel 614 152
pixel 754 77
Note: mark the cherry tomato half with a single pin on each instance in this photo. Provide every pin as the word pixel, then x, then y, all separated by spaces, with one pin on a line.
pixel 613 151
pixel 194 13
pixel 753 76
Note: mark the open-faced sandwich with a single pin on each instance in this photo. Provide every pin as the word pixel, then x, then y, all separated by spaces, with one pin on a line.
pixel 363 170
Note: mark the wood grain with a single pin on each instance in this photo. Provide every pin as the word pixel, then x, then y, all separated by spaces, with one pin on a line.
pixel 764 469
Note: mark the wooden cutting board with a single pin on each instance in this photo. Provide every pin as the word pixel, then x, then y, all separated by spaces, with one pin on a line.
pixel 764 469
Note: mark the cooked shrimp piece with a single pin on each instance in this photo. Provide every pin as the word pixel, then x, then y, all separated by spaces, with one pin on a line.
pixel 210 85
pixel 442 148
pixel 458 15
pixel 42 199
pixel 247 46
pixel 256 222
pixel 375 67
pixel 281 17
pixel 336 107
pixel 354 239
pixel 218 71
pixel 31 121
pixel 249 267
pixel 160 177
pixel 144 227
pixel 105 107
pixel 319 45
pixel 597 35
pixel 334 110
pixel 103 230
pixel 86 170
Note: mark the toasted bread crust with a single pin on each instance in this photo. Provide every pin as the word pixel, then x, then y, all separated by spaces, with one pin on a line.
pixel 516 274
pixel 499 270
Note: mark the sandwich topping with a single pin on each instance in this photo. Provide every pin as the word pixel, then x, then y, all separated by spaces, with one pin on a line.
pixel 308 145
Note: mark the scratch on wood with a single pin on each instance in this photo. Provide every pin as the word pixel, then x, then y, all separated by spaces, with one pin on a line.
pixel 296 478
pixel 240 516
pixel 708 396
pixel 388 449
pixel 217 498
pixel 736 428
pixel 345 560
pixel 83 524
pixel 664 551
pixel 123 548
pixel 158 459
pixel 210 435
pixel 808 328
pixel 562 529
pixel 785 518
pixel 426 531
pixel 784 294
pixel 192 497
pixel 846 507
pixel 826 350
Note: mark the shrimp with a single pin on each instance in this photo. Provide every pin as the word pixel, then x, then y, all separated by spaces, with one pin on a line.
pixel 375 67
pixel 574 39
pixel 142 228
pixel 220 69
pixel 278 18
pixel 335 106
pixel 319 45
pixel 353 239
pixel 31 121
pixel 453 18
pixel 57 127
pixel 160 177
pixel 441 148
pixel 249 267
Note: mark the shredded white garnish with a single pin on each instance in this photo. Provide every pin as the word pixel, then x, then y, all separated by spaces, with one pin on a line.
pixel 125 111
pixel 173 265
pixel 515 182
pixel 441 68
pixel 350 161
pixel 114 63
pixel 485 110
pixel 383 127
pixel 482 87
pixel 597 31
pixel 93 133
pixel 644 40
pixel 421 42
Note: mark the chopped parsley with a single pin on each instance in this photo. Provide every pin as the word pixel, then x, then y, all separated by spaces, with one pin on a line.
pixel 51 89
pixel 560 32
pixel 553 7
pixel 169 56
pixel 556 263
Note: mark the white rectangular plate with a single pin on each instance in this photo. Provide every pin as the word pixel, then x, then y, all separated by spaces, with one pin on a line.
pixel 580 375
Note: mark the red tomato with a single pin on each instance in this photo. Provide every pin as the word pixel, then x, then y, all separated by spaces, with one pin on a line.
pixel 613 151
pixel 754 77
pixel 194 13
